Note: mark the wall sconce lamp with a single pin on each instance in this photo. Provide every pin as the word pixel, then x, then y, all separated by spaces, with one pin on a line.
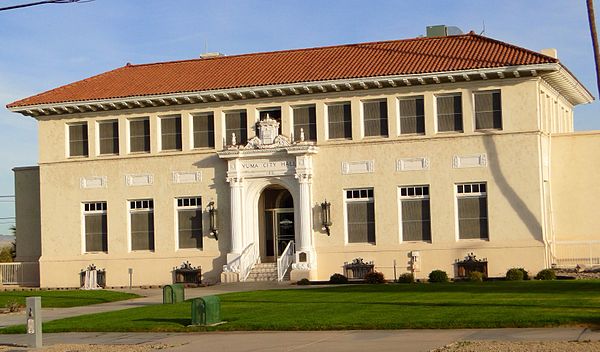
pixel 212 216
pixel 326 216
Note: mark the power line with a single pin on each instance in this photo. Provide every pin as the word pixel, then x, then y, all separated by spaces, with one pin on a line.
pixel 43 3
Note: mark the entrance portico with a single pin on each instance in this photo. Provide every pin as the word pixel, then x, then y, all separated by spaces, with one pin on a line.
pixel 268 160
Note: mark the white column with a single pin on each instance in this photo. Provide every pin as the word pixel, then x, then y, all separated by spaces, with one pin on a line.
pixel 236 186
pixel 305 238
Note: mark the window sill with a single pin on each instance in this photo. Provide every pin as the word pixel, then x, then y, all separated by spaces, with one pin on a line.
pixel 107 155
pixel 78 157
pixel 140 152
pixel 450 132
pixel 361 244
pixel 488 130
pixel 96 253
pixel 473 239
pixel 189 250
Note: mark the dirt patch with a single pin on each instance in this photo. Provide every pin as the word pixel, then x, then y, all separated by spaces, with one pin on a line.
pixel 529 346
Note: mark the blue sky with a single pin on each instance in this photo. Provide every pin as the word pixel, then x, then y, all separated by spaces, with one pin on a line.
pixel 46 46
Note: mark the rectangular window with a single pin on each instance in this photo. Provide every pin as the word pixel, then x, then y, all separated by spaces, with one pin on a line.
pixel 189 222
pixel 472 211
pixel 78 139
pixel 375 118
pixel 412 115
pixel 108 133
pixel 95 227
pixel 274 113
pixel 305 119
pixel 488 110
pixel 204 130
pixel 360 215
pixel 339 120
pixel 236 122
pixel 142 224
pixel 170 130
pixel 139 135
pixel 449 113
pixel 416 217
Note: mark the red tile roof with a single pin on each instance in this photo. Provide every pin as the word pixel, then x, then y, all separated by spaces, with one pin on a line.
pixel 395 57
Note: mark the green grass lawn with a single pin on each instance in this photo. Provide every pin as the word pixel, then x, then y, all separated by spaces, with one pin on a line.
pixel 65 299
pixel 391 306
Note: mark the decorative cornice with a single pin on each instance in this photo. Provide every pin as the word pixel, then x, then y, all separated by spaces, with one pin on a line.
pixel 554 73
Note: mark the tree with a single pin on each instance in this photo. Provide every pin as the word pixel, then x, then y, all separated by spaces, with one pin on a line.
pixel 13 245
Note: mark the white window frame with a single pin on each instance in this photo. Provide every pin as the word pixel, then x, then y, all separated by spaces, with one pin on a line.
pixel 362 116
pixel 436 112
pixel 293 121
pixel 99 207
pixel 360 199
pixel 178 207
pixel 326 119
pixel 97 134
pixel 499 91
pixel 412 197
pixel 128 132
pixel 139 210
pixel 160 136
pixel 191 137
pixel 470 194
pixel 399 115
pixel 68 140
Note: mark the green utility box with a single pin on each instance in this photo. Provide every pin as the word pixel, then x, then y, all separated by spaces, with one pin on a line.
pixel 173 294
pixel 206 310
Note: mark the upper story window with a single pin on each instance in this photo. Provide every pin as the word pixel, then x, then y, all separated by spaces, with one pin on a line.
pixel 305 119
pixel 412 115
pixel 139 135
pixel 204 130
pixel 339 121
pixel 108 137
pixel 488 110
pixel 189 222
pixel 78 139
pixel 360 215
pixel 415 213
pixel 236 122
pixel 170 133
pixel 95 227
pixel 449 113
pixel 375 118
pixel 472 210
pixel 141 224
pixel 274 113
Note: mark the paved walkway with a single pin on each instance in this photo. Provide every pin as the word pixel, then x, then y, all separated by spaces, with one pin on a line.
pixel 331 341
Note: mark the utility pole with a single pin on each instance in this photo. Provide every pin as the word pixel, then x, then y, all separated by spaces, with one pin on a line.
pixel 592 21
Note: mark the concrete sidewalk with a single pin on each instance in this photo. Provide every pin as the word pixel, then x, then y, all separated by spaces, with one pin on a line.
pixel 333 341
pixel 150 296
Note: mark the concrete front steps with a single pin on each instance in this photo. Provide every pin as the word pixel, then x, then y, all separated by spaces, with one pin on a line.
pixel 266 272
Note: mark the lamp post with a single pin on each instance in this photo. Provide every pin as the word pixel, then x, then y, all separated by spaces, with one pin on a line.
pixel 212 215
pixel 326 216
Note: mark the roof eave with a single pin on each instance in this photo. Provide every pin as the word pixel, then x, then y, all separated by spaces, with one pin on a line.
pixel 312 87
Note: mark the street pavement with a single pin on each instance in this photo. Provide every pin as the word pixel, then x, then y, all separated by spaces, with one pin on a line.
pixel 331 341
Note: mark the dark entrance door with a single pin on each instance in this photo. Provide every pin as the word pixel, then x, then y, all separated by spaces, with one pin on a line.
pixel 285 230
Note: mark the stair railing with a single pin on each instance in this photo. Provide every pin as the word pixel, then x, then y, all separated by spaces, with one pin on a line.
pixel 244 263
pixel 285 260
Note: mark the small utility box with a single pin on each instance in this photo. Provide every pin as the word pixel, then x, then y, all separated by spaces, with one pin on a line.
pixel 206 310
pixel 173 294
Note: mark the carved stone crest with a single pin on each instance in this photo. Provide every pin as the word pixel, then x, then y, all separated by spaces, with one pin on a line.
pixel 268 136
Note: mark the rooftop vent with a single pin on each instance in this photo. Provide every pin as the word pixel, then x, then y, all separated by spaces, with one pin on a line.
pixel 442 30
pixel 210 55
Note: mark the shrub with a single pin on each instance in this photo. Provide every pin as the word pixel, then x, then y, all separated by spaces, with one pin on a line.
pixel 338 279
pixel 438 276
pixel 476 276
pixel 13 306
pixel 525 274
pixel 374 277
pixel 304 281
pixel 515 274
pixel 546 274
pixel 406 278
